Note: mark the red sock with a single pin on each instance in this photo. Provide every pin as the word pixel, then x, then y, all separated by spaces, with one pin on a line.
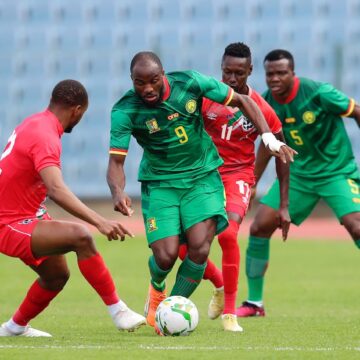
pixel 230 265
pixel 211 273
pixel 36 300
pixel 98 276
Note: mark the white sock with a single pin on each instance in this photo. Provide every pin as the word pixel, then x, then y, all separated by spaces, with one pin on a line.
pixel 115 308
pixel 257 303
pixel 14 327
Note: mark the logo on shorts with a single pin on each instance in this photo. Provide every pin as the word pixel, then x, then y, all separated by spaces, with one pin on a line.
pixel 308 117
pixel 151 224
pixel 26 221
pixel 191 106
pixel 152 125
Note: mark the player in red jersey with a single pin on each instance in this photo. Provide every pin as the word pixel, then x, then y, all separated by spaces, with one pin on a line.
pixel 30 171
pixel 234 136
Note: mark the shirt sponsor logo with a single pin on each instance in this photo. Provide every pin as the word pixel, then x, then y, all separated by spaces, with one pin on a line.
pixel 308 117
pixel 211 116
pixel 173 116
pixel 151 224
pixel 152 125
pixel 191 106
pixel 246 124
pixel 25 222
pixel 290 120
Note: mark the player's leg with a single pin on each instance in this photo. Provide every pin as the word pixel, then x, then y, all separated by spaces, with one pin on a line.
pixel 58 237
pixel 162 225
pixel 302 200
pixel 343 196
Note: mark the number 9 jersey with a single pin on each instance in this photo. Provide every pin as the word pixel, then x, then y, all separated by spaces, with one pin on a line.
pixel 172 134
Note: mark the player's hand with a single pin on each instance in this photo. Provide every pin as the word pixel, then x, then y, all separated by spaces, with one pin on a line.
pixel 284 222
pixel 122 203
pixel 285 153
pixel 114 230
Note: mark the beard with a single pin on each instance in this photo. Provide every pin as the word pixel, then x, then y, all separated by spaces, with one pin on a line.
pixel 69 129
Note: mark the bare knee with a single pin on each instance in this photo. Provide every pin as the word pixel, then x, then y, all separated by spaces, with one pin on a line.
pixel 198 253
pixel 166 252
pixel 352 224
pixel 83 241
pixel 165 260
pixel 265 222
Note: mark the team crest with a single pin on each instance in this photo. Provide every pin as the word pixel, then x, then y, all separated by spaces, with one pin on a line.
pixel 152 125
pixel 151 224
pixel 308 117
pixel 191 106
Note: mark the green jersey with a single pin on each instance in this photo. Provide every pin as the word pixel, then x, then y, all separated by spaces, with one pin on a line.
pixel 171 133
pixel 312 125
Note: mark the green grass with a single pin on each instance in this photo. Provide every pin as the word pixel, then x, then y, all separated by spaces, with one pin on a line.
pixel 312 303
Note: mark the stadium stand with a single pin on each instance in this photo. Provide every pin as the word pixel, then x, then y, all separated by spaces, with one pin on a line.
pixel 42 42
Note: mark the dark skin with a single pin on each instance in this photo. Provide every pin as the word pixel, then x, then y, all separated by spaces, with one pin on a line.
pixel 235 72
pixel 280 80
pixel 148 81
pixel 55 238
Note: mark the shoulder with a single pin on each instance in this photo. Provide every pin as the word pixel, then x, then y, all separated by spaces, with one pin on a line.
pixel 128 100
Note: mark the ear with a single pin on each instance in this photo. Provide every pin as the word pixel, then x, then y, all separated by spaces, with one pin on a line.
pixel 251 69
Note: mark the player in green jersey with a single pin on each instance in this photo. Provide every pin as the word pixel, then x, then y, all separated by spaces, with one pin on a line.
pixel 311 113
pixel 181 189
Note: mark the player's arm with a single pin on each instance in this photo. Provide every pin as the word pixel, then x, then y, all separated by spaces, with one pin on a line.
pixel 116 180
pixel 254 114
pixel 283 171
pixel 64 197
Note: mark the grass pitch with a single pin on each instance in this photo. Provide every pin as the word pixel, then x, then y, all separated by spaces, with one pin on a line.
pixel 312 303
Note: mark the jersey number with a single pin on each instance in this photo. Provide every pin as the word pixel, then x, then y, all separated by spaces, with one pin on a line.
pixel 226 132
pixel 297 139
pixel 244 190
pixel 10 145
pixel 181 134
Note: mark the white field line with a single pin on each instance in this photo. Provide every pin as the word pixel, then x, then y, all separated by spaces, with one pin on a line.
pixel 181 348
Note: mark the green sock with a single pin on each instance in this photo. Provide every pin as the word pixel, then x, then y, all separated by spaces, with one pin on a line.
pixel 188 278
pixel 158 275
pixel 257 258
pixel 357 243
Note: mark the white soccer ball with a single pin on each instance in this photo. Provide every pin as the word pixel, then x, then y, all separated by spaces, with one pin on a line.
pixel 176 316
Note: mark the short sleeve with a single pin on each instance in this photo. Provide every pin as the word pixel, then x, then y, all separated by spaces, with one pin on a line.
pixel 120 133
pixel 334 101
pixel 213 89
pixel 45 152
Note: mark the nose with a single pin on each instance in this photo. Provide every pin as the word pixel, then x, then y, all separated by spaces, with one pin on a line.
pixel 148 89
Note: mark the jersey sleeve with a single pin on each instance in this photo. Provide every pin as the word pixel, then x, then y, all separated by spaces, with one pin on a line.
pixel 213 89
pixel 45 152
pixel 271 117
pixel 335 101
pixel 120 133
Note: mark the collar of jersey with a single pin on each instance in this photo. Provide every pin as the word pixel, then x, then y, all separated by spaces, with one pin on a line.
pixel 56 121
pixel 167 89
pixel 292 94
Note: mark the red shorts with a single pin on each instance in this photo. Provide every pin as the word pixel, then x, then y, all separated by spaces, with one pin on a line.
pixel 238 191
pixel 15 240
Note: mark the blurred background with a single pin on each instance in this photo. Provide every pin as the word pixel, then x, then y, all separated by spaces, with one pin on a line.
pixel 93 41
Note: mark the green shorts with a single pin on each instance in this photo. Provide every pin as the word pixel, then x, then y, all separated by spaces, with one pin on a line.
pixel 169 211
pixel 341 194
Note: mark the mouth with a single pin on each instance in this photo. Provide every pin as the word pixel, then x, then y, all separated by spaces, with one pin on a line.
pixel 275 88
pixel 151 98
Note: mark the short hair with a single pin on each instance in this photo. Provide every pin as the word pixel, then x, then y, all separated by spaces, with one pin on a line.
pixel 279 54
pixel 143 56
pixel 69 93
pixel 238 49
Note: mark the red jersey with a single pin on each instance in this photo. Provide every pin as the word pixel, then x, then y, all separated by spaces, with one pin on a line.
pixel 34 145
pixel 234 135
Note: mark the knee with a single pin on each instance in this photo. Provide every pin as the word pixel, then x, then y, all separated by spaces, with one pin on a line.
pixel 165 259
pixel 82 237
pixel 56 282
pixel 199 254
pixel 228 241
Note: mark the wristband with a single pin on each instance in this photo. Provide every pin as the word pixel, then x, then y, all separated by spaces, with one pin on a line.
pixel 271 141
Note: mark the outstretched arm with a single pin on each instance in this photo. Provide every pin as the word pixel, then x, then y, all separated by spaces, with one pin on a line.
pixel 64 197
pixel 254 114
pixel 283 171
pixel 116 180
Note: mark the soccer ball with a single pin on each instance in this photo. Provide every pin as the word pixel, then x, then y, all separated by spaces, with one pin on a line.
pixel 176 316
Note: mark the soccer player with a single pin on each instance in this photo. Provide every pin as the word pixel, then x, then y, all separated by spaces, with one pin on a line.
pixel 181 188
pixel 30 171
pixel 234 136
pixel 311 113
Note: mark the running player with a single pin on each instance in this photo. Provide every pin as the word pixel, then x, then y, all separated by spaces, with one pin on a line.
pixel 311 113
pixel 181 187
pixel 30 171
pixel 234 136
